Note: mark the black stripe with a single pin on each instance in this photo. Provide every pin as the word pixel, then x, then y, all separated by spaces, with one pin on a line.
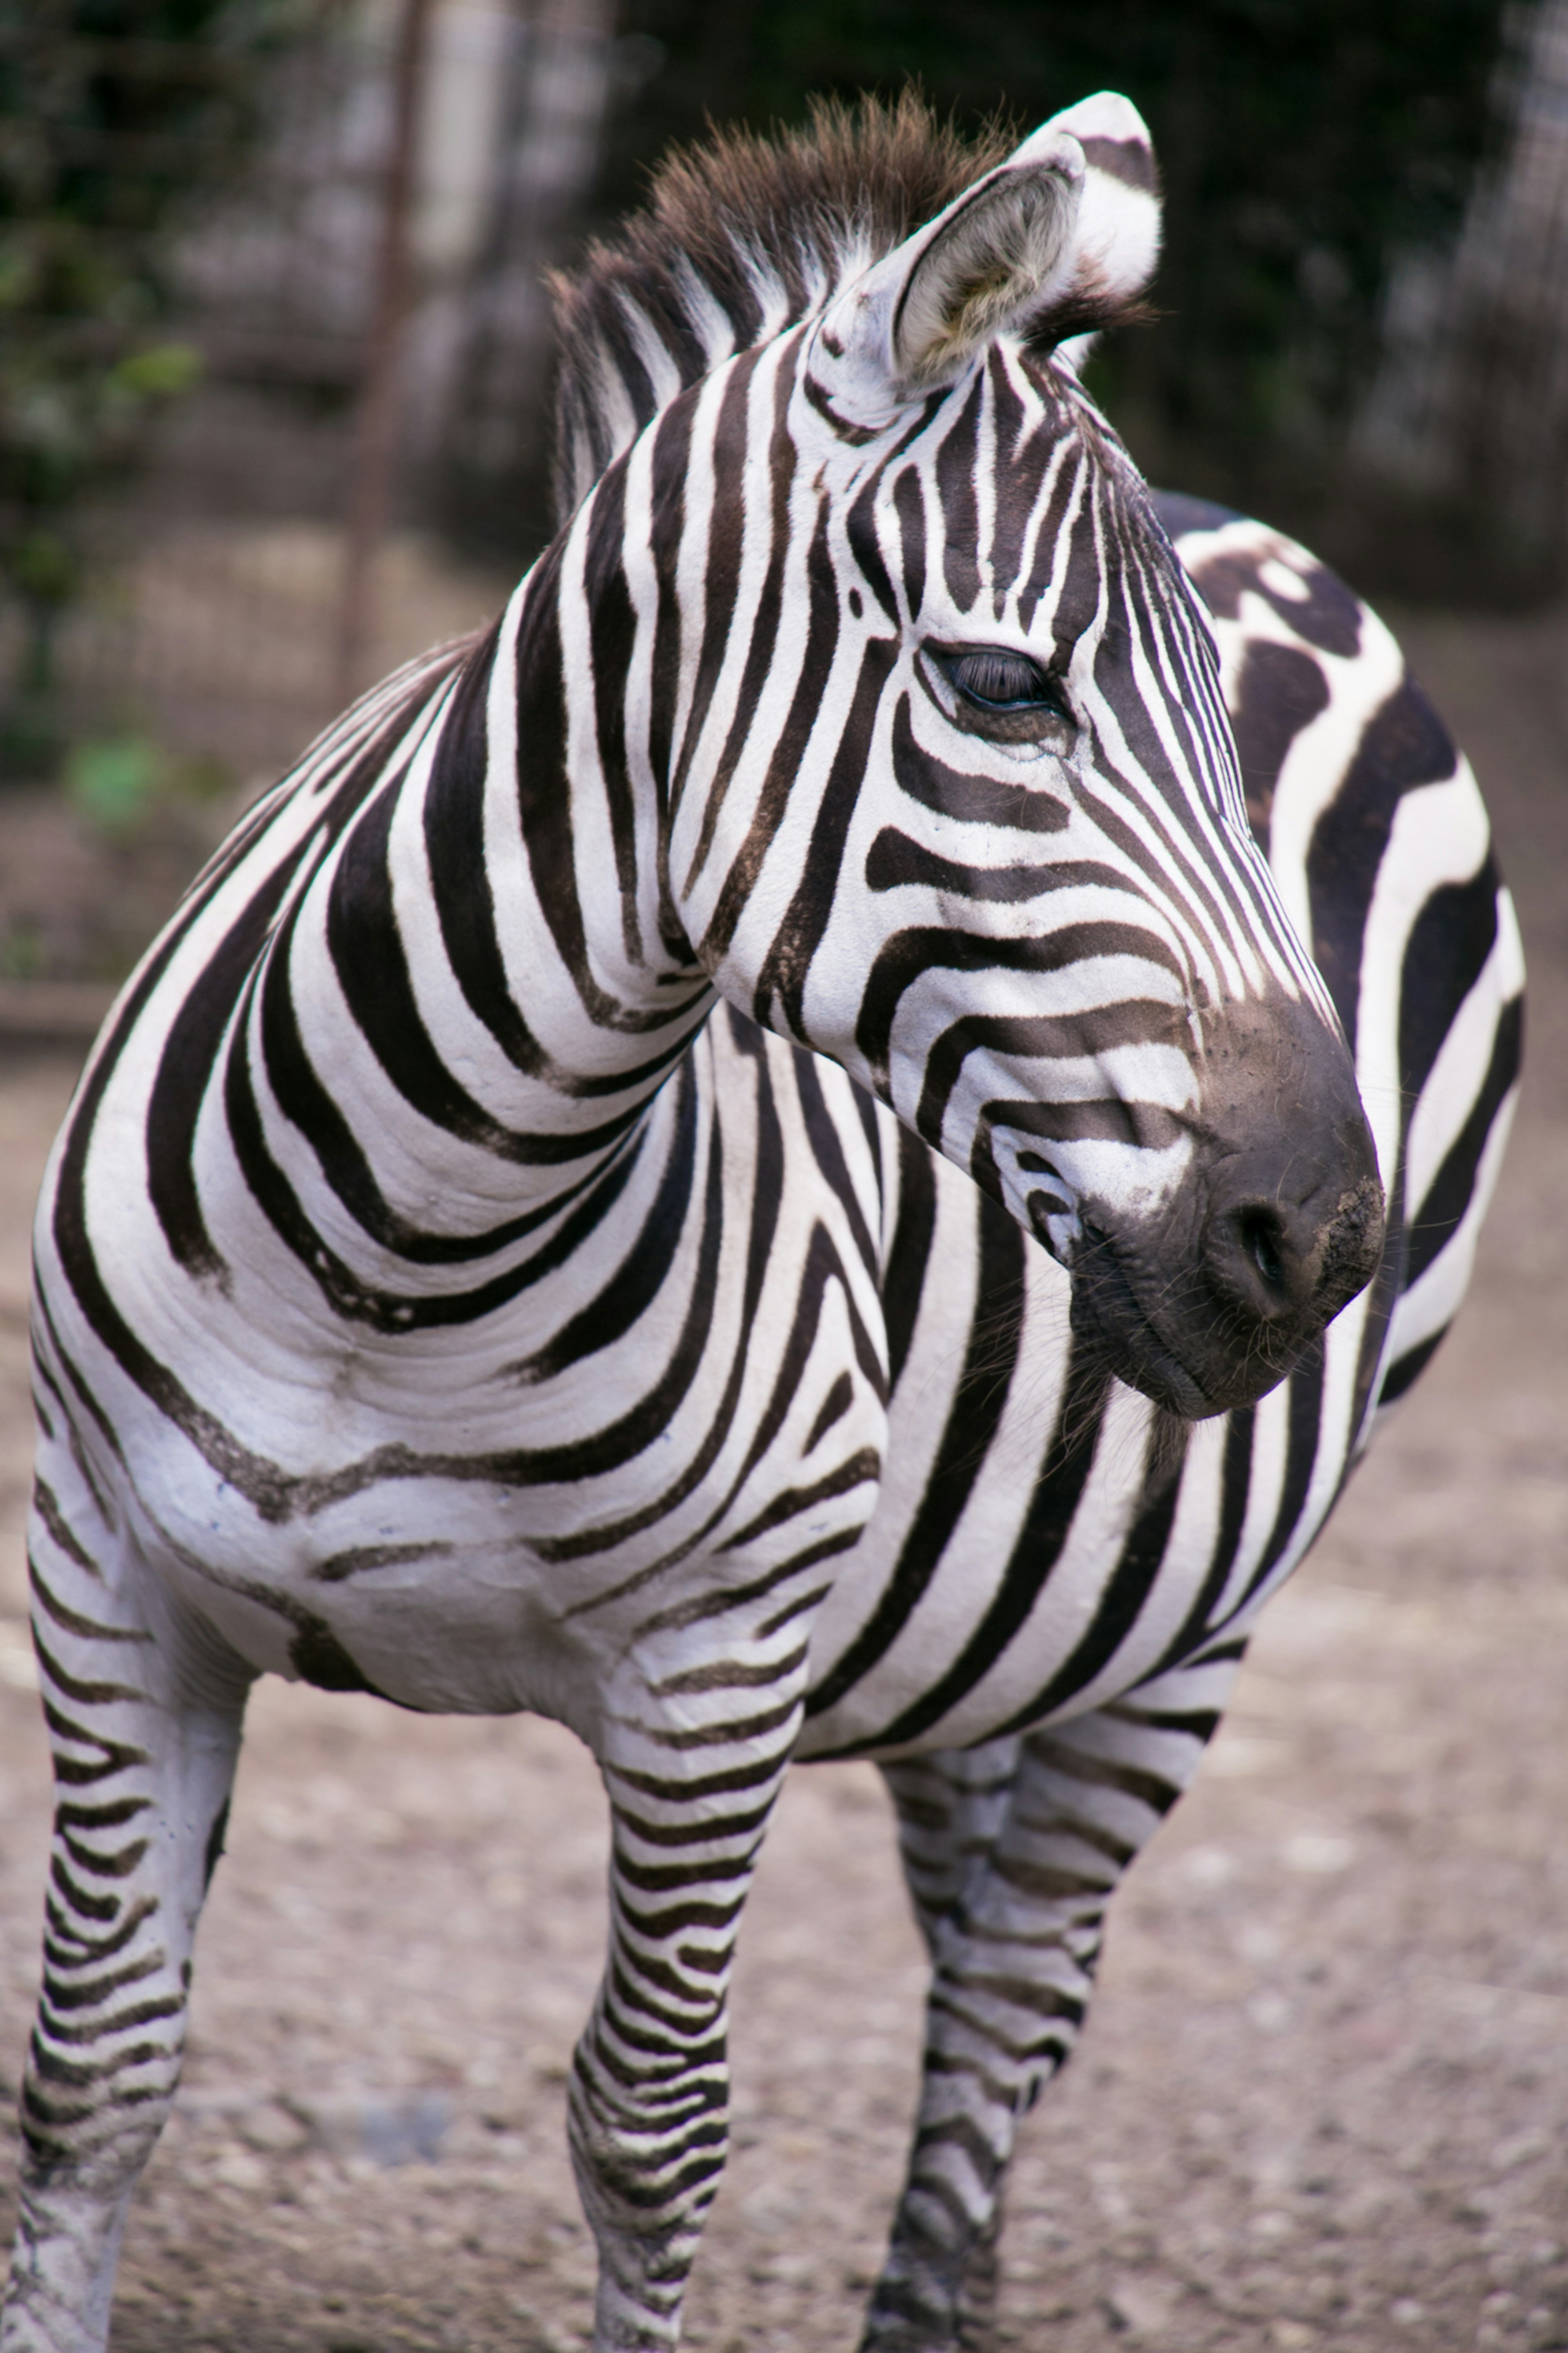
pixel 728 451
pixel 909 1256
pixel 1404 745
pixel 1058 1491
pixel 1131 1583
pixel 974 800
pixel 1235 1486
pixel 973 1419
pixel 762 1211
pixel 910 954
pixel 1445 957
pixel 1015 481
pixel 788 960
pixel 789 752
pixel 385 1310
pixel 908 505
pixel 460 872
pixel 371 969
pixel 1437 1215
pixel 1304 1393
pixel 1068 1036
pixel 957 457
pixel 764 646
pixel 1408 1368
pixel 636 1282
pixel 861 531
pixel 1047 536
pixel 1279 690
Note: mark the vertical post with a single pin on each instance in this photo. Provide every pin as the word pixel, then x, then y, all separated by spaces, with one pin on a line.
pixel 557 89
pixel 375 426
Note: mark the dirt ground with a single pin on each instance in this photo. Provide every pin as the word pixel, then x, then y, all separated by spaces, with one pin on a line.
pixel 1323 2098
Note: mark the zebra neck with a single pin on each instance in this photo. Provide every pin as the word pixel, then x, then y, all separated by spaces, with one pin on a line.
pixel 461 952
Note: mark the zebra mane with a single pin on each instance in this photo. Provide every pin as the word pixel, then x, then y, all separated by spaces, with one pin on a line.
pixel 741 238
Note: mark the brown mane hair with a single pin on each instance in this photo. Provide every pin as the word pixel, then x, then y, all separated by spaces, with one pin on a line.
pixel 741 234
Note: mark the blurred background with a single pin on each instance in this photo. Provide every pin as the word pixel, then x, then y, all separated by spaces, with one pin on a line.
pixel 274 352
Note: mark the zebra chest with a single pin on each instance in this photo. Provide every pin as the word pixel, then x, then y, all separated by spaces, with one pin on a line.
pixel 1033 1552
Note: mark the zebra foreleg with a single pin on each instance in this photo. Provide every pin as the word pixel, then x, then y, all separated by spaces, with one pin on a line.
pixel 144 1714
pixel 1013 1955
pixel 690 1787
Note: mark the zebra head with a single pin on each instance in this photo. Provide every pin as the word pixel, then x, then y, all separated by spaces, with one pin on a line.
pixel 953 795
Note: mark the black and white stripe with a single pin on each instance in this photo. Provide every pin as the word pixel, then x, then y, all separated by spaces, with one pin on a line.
pixel 630 1187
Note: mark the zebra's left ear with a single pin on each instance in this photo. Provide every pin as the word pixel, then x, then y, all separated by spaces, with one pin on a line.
pixel 1068 229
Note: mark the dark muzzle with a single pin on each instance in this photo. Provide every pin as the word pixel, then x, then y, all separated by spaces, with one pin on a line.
pixel 1270 1236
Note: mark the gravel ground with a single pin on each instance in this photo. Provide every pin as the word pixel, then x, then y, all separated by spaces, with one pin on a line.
pixel 1322 2099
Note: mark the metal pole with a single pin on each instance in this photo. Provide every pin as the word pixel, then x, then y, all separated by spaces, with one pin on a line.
pixel 375 446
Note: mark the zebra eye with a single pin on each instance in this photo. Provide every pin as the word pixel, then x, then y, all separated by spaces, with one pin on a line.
pixel 1007 696
pixel 992 678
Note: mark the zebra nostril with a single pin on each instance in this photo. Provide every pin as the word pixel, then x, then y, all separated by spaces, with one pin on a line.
pixel 1260 1259
pixel 1260 1240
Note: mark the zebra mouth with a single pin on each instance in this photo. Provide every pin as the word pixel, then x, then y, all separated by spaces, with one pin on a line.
pixel 1110 1324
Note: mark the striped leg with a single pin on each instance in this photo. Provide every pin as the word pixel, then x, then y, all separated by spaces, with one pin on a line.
pixel 144 1714
pixel 689 1798
pixel 951 1806
pixel 1011 1872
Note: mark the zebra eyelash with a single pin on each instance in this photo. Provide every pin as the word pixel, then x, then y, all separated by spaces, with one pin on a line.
pixel 976 679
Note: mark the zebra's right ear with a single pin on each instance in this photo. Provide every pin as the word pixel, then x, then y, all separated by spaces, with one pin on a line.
pixel 1068 229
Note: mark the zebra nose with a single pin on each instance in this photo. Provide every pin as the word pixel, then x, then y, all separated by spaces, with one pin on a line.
pixel 1283 1261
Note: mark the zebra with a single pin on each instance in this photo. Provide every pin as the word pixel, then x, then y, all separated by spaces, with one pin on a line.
pixel 825 1144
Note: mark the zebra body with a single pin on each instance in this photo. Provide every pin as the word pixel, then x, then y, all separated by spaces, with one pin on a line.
pixel 437 1295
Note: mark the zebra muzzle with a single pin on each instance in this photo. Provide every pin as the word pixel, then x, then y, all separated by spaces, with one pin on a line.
pixel 1203 1332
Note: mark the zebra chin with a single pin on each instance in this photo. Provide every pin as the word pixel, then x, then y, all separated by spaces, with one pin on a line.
pixel 1113 1335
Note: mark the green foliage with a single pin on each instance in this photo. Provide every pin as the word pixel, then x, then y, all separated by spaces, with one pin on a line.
pixel 1302 143
pixel 115 782
pixel 115 116
pixel 118 782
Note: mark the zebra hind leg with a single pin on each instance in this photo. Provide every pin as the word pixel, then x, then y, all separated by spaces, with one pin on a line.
pixel 1013 1955
pixel 951 1806
pixel 144 1713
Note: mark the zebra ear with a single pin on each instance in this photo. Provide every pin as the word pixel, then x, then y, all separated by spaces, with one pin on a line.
pixel 983 266
pixel 1117 227
pixel 1068 229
